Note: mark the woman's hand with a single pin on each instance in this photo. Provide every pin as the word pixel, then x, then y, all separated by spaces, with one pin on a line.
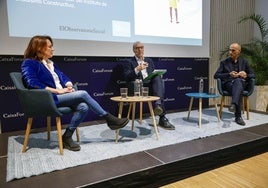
pixel 61 91
pixel 65 90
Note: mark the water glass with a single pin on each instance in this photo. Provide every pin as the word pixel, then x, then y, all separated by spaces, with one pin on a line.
pixel 123 92
pixel 136 94
pixel 145 91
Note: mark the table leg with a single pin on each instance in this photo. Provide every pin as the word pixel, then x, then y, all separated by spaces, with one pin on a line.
pixel 190 107
pixel 119 116
pixel 133 114
pixel 153 117
pixel 129 109
pixel 216 108
pixel 200 112
pixel 141 112
pixel 120 109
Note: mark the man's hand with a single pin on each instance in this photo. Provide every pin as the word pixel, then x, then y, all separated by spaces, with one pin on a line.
pixel 234 74
pixel 242 74
pixel 142 66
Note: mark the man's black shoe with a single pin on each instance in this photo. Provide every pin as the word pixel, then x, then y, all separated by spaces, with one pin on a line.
pixel 240 121
pixel 232 108
pixel 165 124
pixel 158 110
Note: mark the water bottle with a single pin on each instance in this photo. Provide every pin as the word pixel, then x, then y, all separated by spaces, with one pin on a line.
pixel 137 87
pixel 201 85
pixel 141 85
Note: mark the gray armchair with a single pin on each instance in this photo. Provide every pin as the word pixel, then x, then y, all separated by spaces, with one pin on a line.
pixel 39 103
pixel 246 93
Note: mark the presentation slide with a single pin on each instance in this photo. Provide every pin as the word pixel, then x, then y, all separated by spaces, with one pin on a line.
pixel 168 28
pixel 175 22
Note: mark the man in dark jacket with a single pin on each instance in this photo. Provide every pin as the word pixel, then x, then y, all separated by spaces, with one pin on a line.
pixel 140 67
pixel 234 73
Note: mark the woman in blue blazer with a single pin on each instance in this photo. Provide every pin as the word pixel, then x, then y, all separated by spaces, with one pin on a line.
pixel 39 72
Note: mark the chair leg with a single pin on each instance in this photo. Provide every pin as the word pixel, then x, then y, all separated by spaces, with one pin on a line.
pixel 27 133
pixel 58 124
pixel 48 127
pixel 221 107
pixel 77 134
pixel 243 105
pixel 247 103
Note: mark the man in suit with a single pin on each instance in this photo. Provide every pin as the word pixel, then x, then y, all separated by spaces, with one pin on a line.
pixel 139 67
pixel 234 73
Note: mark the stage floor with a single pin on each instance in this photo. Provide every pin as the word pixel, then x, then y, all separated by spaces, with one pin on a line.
pixel 150 168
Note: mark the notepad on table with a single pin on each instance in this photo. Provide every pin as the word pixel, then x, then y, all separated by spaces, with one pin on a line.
pixel 156 72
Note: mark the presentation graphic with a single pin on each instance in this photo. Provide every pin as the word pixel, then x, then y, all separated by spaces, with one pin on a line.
pixel 106 20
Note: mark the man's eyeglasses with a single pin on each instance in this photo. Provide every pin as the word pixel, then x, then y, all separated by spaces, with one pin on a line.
pixel 232 50
pixel 139 47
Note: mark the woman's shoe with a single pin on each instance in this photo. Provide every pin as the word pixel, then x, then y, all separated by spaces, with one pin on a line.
pixel 114 122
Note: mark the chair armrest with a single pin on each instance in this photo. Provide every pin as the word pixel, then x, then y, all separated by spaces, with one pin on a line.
pixel 251 85
pixel 219 85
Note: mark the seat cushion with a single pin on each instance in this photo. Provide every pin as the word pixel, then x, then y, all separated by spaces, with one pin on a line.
pixel 226 93
pixel 244 93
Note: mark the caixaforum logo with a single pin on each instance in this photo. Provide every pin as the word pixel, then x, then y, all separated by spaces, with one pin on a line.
pixel 96 94
pixel 10 59
pixel 184 88
pixel 119 82
pixel 165 59
pixel 75 59
pixel 102 70
pixel 7 88
pixel 184 68
pixel 12 115
pixel 169 79
pixel 123 59
pixel 200 77
pixel 169 99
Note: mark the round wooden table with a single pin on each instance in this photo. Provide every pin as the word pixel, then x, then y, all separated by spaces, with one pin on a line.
pixel 132 102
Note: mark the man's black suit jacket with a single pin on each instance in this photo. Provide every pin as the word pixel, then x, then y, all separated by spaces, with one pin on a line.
pixel 129 69
pixel 226 66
